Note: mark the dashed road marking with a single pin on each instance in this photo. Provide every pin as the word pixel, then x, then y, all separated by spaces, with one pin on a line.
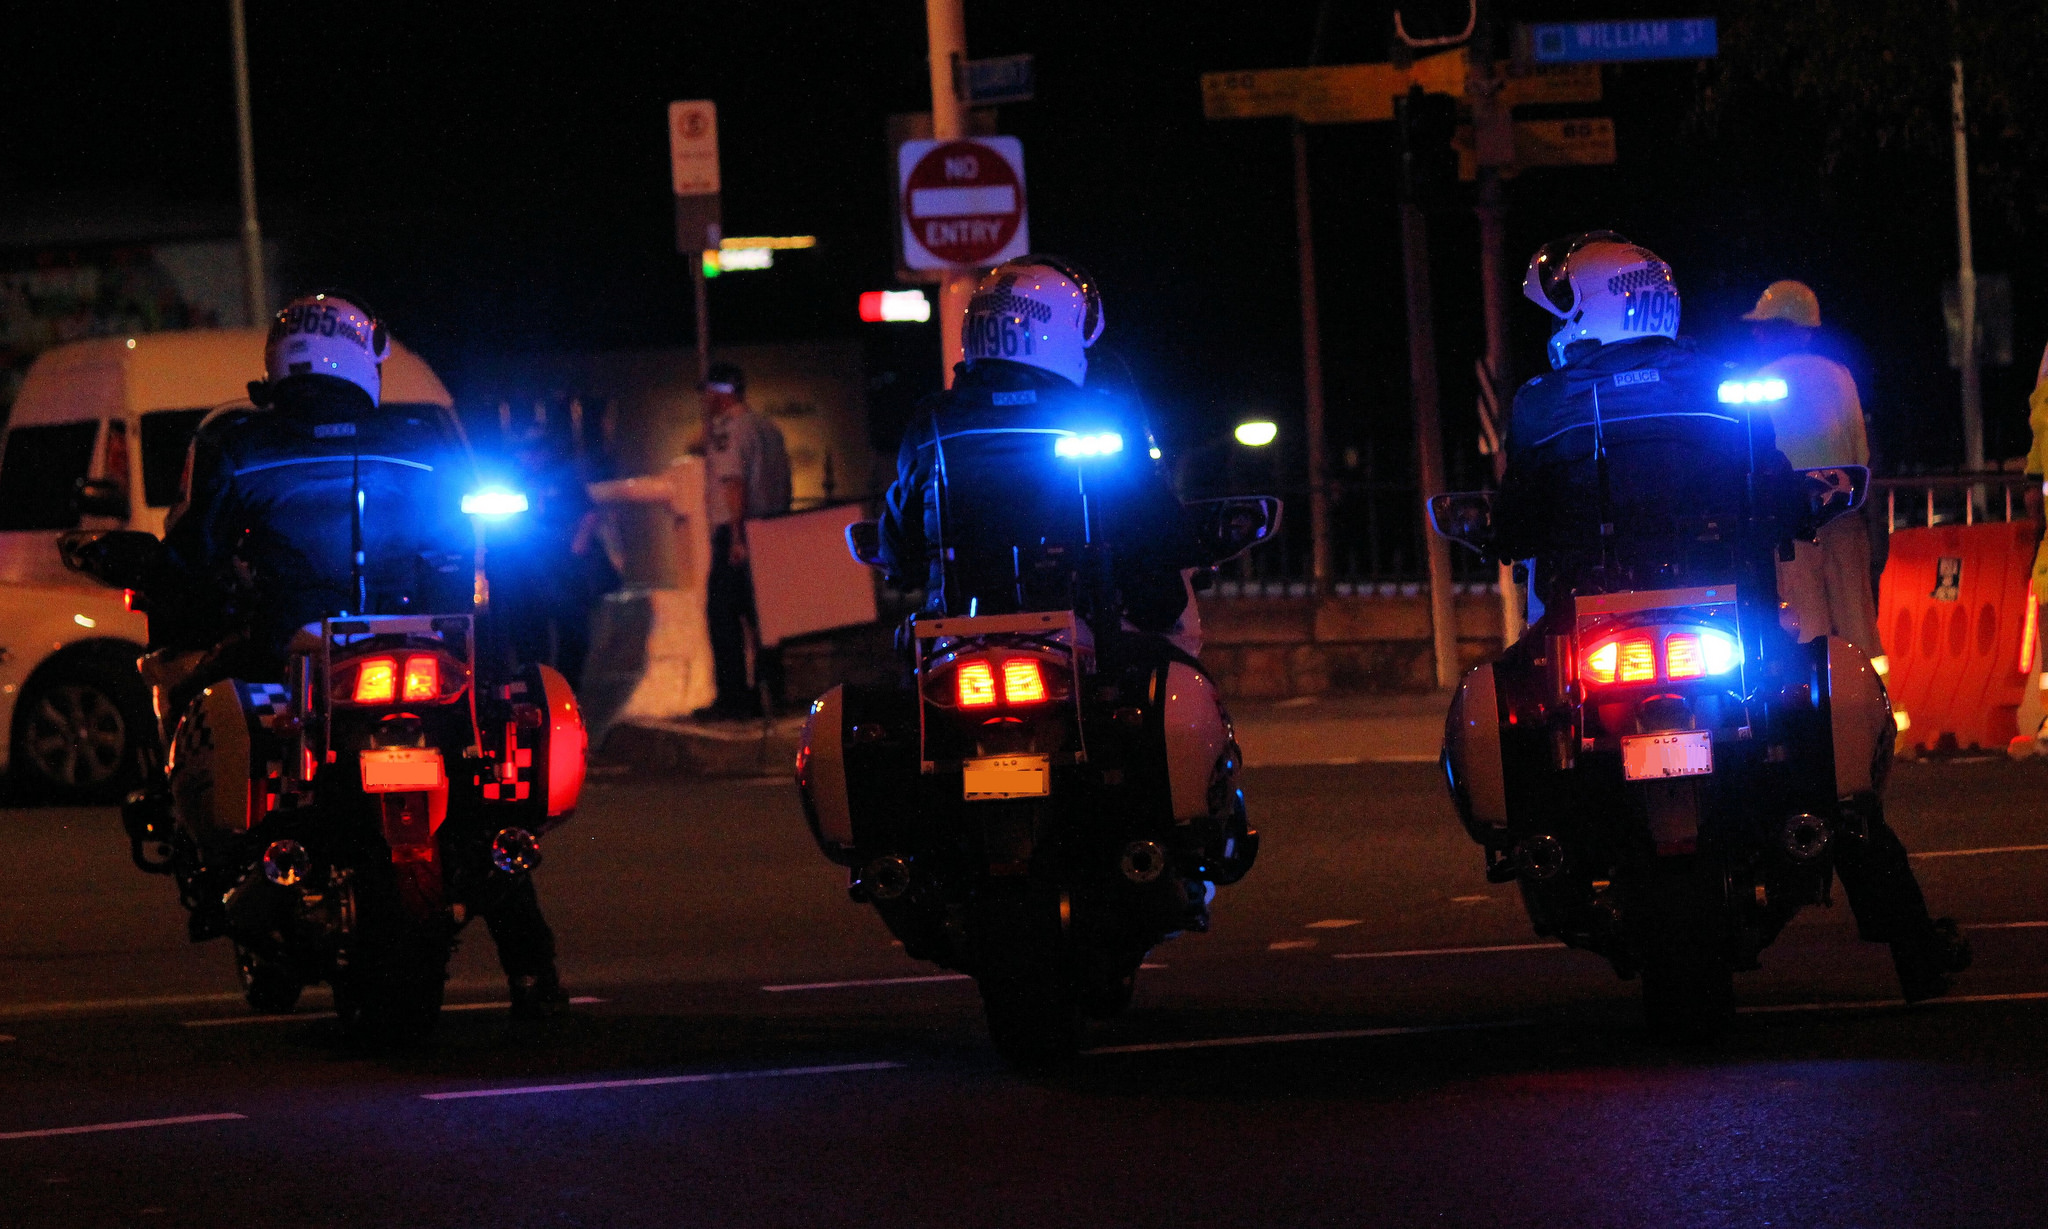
pixel 868 981
pixel 5 1038
pixel 2005 926
pixel 1450 951
pixel 708 1077
pixel 1290 945
pixel 581 1000
pixel 1149 965
pixel 1471 900
pixel 133 1125
pixel 1333 923
pixel 1344 1034
pixel 1766 1009
pixel 1971 853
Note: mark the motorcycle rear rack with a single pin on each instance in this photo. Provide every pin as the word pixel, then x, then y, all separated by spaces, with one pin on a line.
pixel 1046 623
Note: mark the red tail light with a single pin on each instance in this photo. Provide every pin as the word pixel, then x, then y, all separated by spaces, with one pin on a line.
pixel 1022 682
pixel 422 678
pixel 976 684
pixel 1638 660
pixel 1682 659
pixel 1600 662
pixel 377 681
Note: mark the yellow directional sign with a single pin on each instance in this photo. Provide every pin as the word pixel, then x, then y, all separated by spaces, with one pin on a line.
pixel 1364 93
pixel 1333 94
pixel 1547 142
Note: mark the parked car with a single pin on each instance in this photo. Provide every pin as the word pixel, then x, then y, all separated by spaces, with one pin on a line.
pixel 97 440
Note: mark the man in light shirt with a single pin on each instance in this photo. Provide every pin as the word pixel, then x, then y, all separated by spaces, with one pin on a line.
pixel 747 468
pixel 1827 587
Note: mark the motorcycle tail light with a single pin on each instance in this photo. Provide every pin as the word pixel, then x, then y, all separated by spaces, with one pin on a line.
pixel 422 678
pixel 1682 656
pixel 377 681
pixel 975 684
pixel 1022 682
pixel 1600 662
pixel 1638 660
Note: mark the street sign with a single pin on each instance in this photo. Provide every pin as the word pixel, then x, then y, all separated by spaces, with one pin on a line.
pixel 1329 94
pixel 1528 84
pixel 1547 142
pixel 1004 79
pixel 693 147
pixel 962 202
pixel 1613 42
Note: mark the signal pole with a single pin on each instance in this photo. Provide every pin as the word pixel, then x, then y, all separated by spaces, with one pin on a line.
pixel 1494 143
pixel 946 33
pixel 252 234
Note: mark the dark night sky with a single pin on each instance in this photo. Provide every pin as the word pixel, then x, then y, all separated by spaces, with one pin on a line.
pixel 494 179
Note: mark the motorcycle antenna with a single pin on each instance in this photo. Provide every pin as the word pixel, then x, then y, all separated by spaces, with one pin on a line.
pixel 359 586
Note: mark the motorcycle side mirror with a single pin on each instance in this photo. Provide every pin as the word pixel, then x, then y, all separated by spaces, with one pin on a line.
pixel 1465 517
pixel 101 497
pixel 1227 528
pixel 864 542
pixel 1835 489
pixel 123 558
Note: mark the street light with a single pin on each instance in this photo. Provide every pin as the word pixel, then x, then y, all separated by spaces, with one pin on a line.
pixel 1257 433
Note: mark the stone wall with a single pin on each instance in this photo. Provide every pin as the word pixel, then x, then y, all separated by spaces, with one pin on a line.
pixel 1276 647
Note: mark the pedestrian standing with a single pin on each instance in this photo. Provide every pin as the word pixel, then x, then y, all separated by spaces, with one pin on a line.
pixel 1826 587
pixel 746 476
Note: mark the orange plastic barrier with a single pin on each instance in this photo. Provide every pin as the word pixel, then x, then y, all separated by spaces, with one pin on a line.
pixel 1953 609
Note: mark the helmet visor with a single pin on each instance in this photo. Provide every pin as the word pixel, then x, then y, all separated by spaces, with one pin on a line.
pixel 1550 269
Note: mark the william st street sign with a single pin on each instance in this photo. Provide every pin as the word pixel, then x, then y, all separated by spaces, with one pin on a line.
pixel 1616 42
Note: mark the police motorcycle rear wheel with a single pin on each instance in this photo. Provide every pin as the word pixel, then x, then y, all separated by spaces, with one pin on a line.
pixel 1029 993
pixel 1682 925
pixel 391 989
pixel 270 988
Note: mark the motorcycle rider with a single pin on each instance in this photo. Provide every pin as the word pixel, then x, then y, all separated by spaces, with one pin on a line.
pixel 1624 443
pixel 319 501
pixel 975 475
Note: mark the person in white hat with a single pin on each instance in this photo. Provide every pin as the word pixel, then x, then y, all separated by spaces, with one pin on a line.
pixel 1828 587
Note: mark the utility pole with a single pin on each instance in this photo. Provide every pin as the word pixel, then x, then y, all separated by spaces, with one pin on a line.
pixel 1966 265
pixel 1312 375
pixel 1429 438
pixel 252 234
pixel 945 25
pixel 1494 142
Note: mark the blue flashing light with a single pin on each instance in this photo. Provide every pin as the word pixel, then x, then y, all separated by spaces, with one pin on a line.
pixel 1720 650
pixel 1752 392
pixel 494 502
pixel 1075 447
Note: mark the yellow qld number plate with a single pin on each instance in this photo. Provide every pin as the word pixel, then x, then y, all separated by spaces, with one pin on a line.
pixel 1008 776
pixel 1652 757
pixel 397 770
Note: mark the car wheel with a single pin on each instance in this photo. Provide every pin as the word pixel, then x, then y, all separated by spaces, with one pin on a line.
pixel 78 731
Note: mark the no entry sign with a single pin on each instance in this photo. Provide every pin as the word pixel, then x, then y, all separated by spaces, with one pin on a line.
pixel 962 202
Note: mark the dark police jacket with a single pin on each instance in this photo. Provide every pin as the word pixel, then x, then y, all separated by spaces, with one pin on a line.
pixel 266 509
pixel 978 474
pixel 1676 457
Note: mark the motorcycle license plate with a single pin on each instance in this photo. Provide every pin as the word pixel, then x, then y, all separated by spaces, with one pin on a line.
pixel 1008 776
pixel 1652 757
pixel 395 770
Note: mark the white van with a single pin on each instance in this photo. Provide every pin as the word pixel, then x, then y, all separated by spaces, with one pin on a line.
pixel 97 440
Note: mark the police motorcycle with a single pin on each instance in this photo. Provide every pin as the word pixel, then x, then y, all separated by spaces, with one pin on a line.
pixel 1028 813
pixel 340 823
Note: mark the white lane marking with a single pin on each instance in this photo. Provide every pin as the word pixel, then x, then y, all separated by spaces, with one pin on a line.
pixel 2005 926
pixel 1971 853
pixel 1869 1004
pixel 1450 951
pixel 1290 945
pixel 780 778
pixel 708 1077
pixel 1418 757
pixel 1333 923
pixel 1471 900
pixel 5 1038
pixel 868 981
pixel 136 1124
pixel 86 1006
pixel 291 1016
pixel 1209 1043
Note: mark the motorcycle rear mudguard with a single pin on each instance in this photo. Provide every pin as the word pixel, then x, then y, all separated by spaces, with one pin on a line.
pixel 1472 763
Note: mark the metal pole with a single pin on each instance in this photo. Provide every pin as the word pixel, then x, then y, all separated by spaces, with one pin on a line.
pixel 1490 112
pixel 252 234
pixel 1429 438
pixel 1312 375
pixel 945 25
pixel 1966 272
pixel 702 299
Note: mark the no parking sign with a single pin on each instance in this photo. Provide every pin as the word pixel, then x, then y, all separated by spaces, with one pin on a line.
pixel 962 202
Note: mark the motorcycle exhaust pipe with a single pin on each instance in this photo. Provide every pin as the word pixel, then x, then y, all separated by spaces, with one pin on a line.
pixel 1805 837
pixel 265 897
pixel 1535 858
pixel 1143 862
pixel 884 878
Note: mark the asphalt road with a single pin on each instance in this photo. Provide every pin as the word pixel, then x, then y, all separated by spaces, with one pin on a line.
pixel 1326 1055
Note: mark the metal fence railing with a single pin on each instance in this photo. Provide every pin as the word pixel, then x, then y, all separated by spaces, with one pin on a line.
pixel 1917 501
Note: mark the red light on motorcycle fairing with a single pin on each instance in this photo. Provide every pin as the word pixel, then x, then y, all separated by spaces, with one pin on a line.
pixel 1682 656
pixel 1022 682
pixel 377 681
pixel 422 678
pixel 975 684
pixel 1638 660
pixel 1601 661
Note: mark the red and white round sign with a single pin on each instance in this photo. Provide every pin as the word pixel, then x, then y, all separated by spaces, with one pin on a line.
pixel 963 201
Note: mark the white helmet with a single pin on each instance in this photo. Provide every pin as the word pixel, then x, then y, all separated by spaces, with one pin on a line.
pixel 327 335
pixel 1041 311
pixel 1602 289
